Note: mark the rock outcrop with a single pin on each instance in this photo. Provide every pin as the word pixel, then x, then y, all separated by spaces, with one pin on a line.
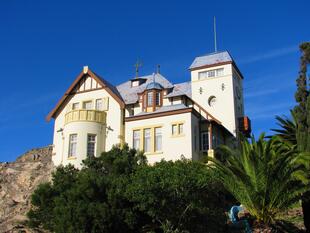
pixel 17 182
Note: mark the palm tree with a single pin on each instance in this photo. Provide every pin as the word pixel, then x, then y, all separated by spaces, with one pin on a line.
pixel 265 176
pixel 287 131
pixel 288 134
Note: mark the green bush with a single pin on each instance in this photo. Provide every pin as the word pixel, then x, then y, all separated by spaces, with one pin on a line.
pixel 119 192
pixel 185 194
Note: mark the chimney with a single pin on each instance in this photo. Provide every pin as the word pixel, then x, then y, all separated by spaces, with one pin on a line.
pixel 85 69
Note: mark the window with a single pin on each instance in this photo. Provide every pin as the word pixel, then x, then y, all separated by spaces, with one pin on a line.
pixel 99 104
pixel 158 139
pixel 136 139
pixel 144 100
pixel 181 128
pixel 204 141
pixel 211 73
pixel 75 106
pixel 91 144
pixel 220 72
pixel 150 99
pixel 158 100
pixel 174 129
pixel 72 145
pixel 147 140
pixel 212 101
pixel 151 141
pixel 87 105
pixel 177 129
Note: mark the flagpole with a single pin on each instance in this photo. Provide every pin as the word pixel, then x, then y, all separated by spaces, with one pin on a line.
pixel 214 27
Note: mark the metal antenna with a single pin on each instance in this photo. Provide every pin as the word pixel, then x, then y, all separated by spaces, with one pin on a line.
pixel 214 28
pixel 158 69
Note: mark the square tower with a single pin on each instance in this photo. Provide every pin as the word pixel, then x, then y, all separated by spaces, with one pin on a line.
pixel 217 85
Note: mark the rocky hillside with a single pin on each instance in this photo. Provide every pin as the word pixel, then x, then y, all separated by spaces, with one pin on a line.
pixel 17 181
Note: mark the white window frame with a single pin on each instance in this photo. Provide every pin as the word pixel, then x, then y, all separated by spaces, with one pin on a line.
pixel 158 139
pixel 147 140
pixel 91 142
pixel 211 73
pixel 136 139
pixel 150 99
pixel 158 98
pixel 174 129
pixel 86 102
pixel 219 72
pixel 98 105
pixel 72 145
pixel 75 106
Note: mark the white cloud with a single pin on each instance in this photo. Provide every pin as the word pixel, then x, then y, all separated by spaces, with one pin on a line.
pixel 260 93
pixel 269 55
pixel 268 112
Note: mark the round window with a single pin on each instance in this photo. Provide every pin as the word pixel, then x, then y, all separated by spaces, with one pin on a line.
pixel 212 101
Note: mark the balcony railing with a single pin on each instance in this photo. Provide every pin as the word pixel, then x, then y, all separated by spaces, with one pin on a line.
pixel 85 115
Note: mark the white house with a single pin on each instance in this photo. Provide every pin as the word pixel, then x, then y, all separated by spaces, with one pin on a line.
pixel 165 120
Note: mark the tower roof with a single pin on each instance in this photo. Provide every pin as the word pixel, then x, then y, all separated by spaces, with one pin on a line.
pixel 154 85
pixel 211 59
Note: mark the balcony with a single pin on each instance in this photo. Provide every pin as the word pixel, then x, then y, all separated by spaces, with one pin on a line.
pixel 85 115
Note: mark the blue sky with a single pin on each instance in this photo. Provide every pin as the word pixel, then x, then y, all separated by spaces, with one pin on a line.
pixel 44 44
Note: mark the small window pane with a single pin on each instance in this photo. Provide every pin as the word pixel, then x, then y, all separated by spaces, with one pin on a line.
pixel 158 100
pixel 87 105
pixel 91 144
pixel 158 139
pixel 136 139
pixel 150 99
pixel 202 75
pixel 72 145
pixel 204 141
pixel 180 128
pixel 174 129
pixel 75 106
pixel 99 104
pixel 211 73
pixel 147 140
pixel 220 72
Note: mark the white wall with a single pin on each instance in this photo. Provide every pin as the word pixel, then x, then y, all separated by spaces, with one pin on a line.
pixel 173 146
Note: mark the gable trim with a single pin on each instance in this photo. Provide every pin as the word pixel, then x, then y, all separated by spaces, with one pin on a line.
pixel 69 93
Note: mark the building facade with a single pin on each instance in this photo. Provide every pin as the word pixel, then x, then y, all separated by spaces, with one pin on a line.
pixel 151 114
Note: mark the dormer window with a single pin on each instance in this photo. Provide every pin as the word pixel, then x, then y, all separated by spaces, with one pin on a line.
pixel 137 82
pixel 152 97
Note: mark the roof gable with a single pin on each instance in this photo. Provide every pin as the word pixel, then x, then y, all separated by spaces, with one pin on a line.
pixel 86 81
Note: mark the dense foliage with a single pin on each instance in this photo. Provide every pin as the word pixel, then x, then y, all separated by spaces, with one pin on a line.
pixel 297 131
pixel 119 192
pixel 266 176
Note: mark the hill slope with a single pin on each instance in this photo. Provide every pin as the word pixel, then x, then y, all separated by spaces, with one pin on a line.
pixel 17 181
